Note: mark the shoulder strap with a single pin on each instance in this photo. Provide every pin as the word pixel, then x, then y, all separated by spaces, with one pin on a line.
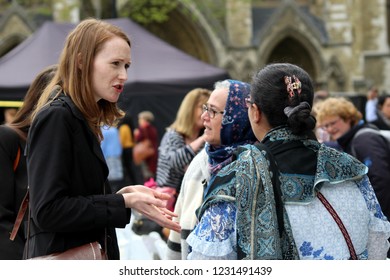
pixel 16 161
pixel 23 206
pixel 384 133
pixel 337 219
pixel 19 218
pixel 365 130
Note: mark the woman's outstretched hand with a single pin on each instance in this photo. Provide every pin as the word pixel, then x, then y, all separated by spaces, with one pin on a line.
pixel 150 203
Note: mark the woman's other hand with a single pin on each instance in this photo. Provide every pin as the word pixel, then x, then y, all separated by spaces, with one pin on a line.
pixel 150 203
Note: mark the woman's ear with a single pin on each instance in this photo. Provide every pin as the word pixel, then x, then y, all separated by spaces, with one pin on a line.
pixel 256 113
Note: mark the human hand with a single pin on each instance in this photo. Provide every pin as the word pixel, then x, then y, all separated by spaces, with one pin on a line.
pixel 198 143
pixel 150 203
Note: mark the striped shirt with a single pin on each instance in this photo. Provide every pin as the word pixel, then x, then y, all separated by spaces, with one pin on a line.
pixel 174 156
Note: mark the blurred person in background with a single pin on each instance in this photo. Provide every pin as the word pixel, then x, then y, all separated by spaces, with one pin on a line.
pixel 382 111
pixel 126 134
pixel 13 171
pixel 9 114
pixel 146 131
pixel 182 140
pixel 112 151
pixel 371 104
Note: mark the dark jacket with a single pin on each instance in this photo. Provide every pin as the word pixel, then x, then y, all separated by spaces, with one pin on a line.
pixel 13 187
pixel 380 122
pixel 67 173
pixel 371 149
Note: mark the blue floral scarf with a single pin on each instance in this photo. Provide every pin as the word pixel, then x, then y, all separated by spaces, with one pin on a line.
pixel 236 129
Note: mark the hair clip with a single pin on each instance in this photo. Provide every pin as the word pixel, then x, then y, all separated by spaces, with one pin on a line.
pixel 291 86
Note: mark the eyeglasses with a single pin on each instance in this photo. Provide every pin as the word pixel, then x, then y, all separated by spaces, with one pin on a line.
pixel 330 124
pixel 210 111
pixel 249 102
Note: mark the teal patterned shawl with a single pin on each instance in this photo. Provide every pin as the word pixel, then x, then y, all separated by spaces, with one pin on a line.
pixel 250 181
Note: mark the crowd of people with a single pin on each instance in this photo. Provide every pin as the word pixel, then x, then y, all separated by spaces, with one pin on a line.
pixel 269 169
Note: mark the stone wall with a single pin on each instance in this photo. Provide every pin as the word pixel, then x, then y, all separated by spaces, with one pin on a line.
pixel 343 44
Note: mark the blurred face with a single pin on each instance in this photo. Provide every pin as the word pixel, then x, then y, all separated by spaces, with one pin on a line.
pixel 9 114
pixel 216 103
pixel 386 108
pixel 198 116
pixel 142 122
pixel 335 126
pixel 110 69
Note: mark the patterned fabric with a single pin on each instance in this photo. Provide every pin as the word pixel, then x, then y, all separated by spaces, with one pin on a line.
pixel 219 234
pixel 328 243
pixel 235 130
pixel 247 186
pixel 309 230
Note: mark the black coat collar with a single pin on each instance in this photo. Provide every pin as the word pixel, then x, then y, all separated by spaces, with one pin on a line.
pixel 68 102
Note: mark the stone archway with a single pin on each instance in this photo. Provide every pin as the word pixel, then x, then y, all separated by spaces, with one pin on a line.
pixel 10 42
pixel 15 27
pixel 292 51
pixel 335 76
pixel 181 32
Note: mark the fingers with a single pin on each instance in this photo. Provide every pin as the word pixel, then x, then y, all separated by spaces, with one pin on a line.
pixel 161 195
pixel 166 222
pixel 168 212
pixel 158 202
pixel 161 210
pixel 127 189
pixel 121 191
pixel 163 217
pixel 173 226
pixel 145 190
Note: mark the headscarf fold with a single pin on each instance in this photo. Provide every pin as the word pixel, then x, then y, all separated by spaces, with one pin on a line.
pixel 236 129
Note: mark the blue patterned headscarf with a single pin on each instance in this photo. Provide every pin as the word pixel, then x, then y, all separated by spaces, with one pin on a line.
pixel 236 129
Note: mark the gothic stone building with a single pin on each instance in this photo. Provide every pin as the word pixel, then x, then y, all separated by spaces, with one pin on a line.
pixel 344 45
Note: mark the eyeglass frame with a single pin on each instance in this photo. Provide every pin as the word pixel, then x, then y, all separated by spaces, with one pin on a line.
pixel 210 111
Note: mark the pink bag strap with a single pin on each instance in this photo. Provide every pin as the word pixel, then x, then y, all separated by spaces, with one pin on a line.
pixel 337 219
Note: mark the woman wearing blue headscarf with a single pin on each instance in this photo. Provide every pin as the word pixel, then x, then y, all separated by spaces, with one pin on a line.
pixel 227 126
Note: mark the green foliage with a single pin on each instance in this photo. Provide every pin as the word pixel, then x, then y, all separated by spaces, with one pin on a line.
pixel 4 3
pixel 26 3
pixel 34 3
pixel 86 9
pixel 33 7
pixel 44 10
pixel 215 9
pixel 148 11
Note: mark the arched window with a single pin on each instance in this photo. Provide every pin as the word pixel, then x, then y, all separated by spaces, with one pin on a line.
pixel 292 51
